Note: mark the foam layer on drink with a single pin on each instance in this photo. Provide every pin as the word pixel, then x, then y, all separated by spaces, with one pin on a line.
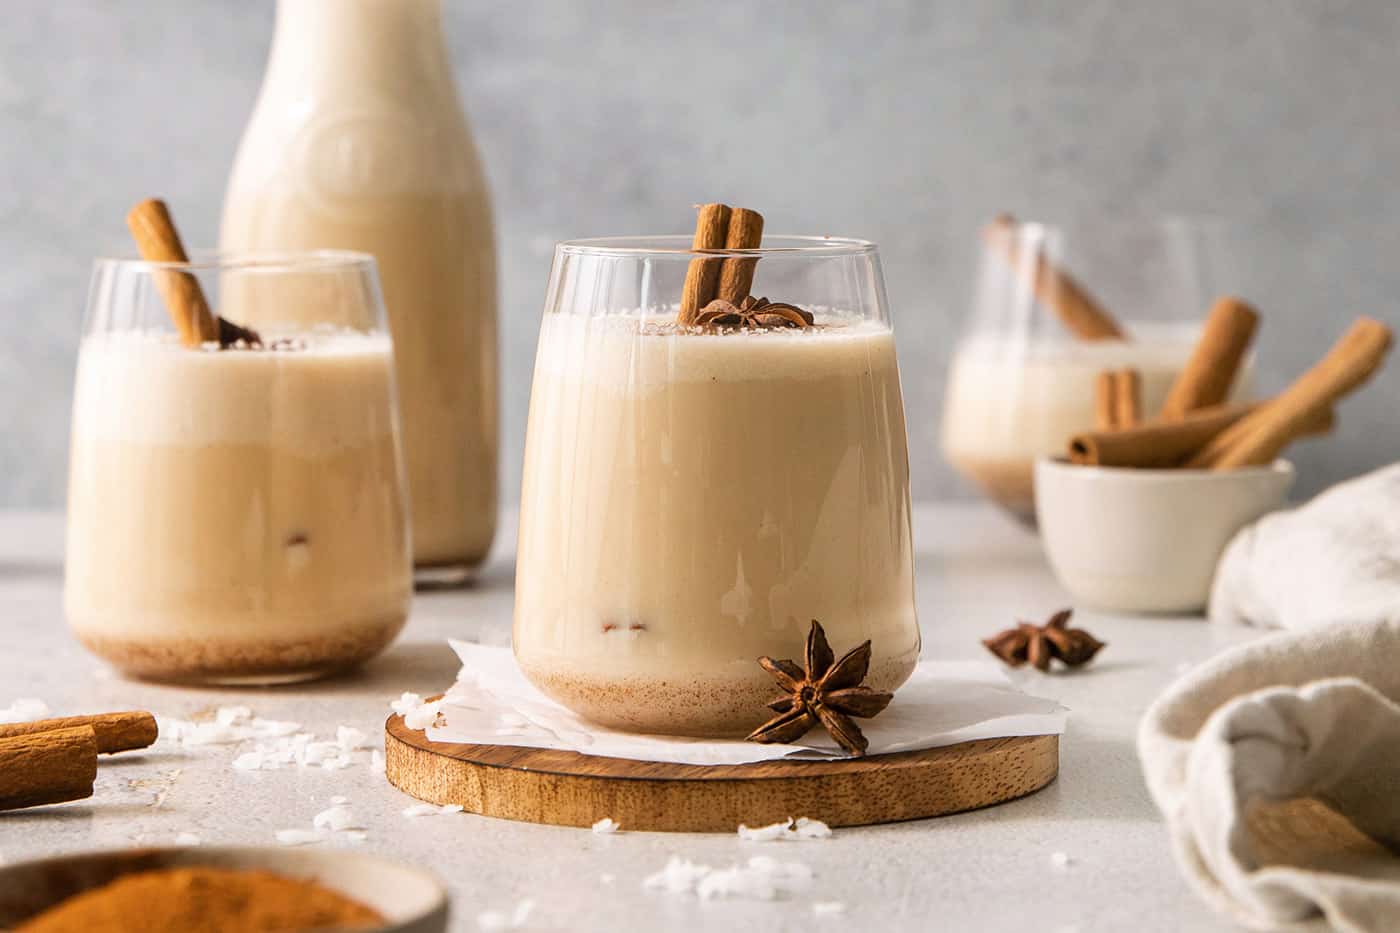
pixel 693 501
pixel 235 512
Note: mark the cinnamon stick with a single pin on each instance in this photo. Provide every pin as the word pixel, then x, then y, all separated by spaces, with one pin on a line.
pixel 116 732
pixel 47 767
pixel 735 274
pixel 702 275
pixel 1105 401
pixel 158 241
pixel 1127 398
pixel 1210 372
pixel 1078 310
pixel 1162 444
pixel 1260 437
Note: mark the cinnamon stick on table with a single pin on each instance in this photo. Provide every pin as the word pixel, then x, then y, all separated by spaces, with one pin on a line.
pixel 702 275
pixel 47 767
pixel 1078 310
pixel 115 732
pixel 1210 372
pixel 1258 438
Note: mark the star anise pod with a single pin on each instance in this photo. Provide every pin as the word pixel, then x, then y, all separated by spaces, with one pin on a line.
pixel 753 313
pixel 1038 644
pixel 827 692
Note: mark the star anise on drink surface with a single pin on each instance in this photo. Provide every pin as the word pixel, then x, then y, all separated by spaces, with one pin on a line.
pixel 1038 644
pixel 753 313
pixel 827 692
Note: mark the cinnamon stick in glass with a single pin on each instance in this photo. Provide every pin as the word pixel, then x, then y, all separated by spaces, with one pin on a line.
pixel 1078 310
pixel 735 274
pixel 115 732
pixel 702 275
pixel 158 241
pixel 1210 372
pixel 1260 437
pixel 47 767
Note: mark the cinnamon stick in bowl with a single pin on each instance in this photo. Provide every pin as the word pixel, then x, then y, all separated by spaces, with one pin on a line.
pixel 1162 444
pixel 1210 372
pixel 1258 438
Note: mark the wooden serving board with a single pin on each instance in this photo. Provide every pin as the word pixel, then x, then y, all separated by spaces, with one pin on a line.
pixel 568 789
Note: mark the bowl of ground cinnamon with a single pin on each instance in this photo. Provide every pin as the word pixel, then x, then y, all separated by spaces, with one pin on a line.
pixel 229 890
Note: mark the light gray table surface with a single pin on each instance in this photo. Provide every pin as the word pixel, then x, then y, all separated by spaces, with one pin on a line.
pixel 987 870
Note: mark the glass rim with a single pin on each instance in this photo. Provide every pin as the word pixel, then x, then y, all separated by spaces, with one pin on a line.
pixel 678 245
pixel 1159 221
pixel 205 260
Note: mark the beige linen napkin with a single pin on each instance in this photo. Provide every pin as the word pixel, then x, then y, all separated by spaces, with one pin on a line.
pixel 1277 767
pixel 1336 559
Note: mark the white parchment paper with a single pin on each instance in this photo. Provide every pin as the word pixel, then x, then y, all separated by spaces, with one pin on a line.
pixel 943 703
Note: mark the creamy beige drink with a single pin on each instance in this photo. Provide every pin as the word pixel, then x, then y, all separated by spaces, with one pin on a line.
pixel 1009 403
pixel 692 500
pixel 235 514
pixel 359 142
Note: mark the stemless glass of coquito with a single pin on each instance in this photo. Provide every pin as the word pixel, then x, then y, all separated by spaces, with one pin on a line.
pixel 237 514
pixel 1053 307
pixel 694 496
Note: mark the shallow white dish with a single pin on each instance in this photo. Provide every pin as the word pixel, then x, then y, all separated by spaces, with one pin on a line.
pixel 412 900
pixel 1147 540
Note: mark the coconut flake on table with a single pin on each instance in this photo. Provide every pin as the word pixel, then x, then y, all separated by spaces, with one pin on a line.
pixel 828 908
pixel 790 829
pixel 336 818
pixel 1060 859
pixel 298 837
pixel 761 878
pixel 187 839
pixel 431 809
pixel 606 825
pixel 493 921
pixel 25 709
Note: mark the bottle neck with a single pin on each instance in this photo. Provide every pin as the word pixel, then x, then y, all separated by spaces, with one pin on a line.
pixel 389 48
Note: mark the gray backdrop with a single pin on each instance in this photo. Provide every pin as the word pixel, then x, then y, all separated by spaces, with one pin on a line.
pixel 904 121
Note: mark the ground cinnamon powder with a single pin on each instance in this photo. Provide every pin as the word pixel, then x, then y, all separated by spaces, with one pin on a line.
pixel 203 900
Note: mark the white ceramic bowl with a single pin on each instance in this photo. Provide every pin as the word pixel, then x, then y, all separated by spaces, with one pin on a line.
pixel 1147 540
pixel 412 900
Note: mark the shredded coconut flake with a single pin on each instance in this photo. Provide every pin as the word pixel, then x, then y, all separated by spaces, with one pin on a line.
pixel 298 837
pixel 421 809
pixel 187 839
pixel 790 830
pixel 606 825
pixel 406 703
pixel 1060 859
pixel 494 921
pixel 336 819
pixel 25 709
pixel 828 908
pixel 761 878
